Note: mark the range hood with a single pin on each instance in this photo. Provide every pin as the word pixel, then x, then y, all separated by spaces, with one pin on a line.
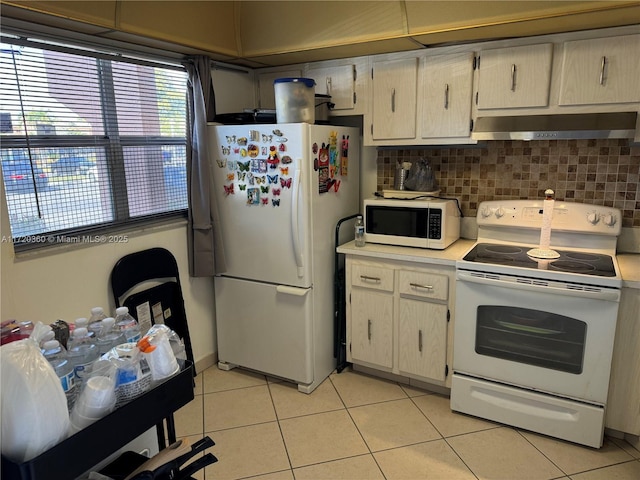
pixel 551 127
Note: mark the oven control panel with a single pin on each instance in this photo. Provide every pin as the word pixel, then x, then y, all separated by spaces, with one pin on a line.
pixel 567 216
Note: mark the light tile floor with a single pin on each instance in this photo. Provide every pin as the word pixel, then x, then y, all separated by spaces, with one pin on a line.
pixel 354 426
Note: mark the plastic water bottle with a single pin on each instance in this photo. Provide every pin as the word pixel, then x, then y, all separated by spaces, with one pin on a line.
pixel 95 320
pixel 127 325
pixel 82 351
pixel 359 232
pixel 59 360
pixel 109 336
pixel 84 323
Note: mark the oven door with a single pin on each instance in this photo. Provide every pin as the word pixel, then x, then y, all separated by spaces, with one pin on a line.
pixel 545 336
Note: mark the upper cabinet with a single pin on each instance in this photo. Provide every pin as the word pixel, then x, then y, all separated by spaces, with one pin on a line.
pixel 346 80
pixel 446 87
pixel 393 108
pixel 339 82
pixel 603 70
pixel 514 77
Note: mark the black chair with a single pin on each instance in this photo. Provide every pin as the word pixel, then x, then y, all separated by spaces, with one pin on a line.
pixel 151 277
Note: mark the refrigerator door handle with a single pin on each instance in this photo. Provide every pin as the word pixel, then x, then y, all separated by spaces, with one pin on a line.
pixel 297 251
pixel 298 292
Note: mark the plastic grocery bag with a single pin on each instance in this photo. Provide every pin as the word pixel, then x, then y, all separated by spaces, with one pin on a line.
pixel 33 407
pixel 421 177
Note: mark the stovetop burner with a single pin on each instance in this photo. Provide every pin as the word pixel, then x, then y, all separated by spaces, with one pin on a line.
pixel 569 261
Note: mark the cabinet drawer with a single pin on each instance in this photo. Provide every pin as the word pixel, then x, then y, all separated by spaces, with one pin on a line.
pixel 424 284
pixel 377 278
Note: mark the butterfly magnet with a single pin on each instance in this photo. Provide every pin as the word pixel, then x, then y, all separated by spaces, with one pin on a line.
pixel 228 189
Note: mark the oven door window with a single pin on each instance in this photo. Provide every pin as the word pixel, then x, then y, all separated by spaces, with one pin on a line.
pixel 531 336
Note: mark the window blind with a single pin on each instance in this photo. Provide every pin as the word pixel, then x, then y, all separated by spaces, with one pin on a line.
pixel 87 142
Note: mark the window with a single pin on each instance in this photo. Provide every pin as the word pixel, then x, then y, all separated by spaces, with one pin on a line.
pixel 88 142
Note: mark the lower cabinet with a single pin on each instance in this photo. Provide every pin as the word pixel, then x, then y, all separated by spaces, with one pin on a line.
pixel 398 318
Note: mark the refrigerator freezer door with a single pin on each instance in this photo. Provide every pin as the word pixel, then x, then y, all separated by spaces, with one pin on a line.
pixel 263 204
pixel 265 327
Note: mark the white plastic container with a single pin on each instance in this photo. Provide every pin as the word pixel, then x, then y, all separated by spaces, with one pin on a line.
pixel 295 100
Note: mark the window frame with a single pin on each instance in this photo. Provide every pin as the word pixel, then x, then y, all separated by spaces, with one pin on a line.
pixel 112 143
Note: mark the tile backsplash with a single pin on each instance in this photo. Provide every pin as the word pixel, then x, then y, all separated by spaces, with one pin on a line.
pixel 601 172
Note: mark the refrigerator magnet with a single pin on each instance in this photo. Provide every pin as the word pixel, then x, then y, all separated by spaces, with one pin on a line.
pixel 253 150
pixel 226 150
pixel 231 176
pixel 263 151
pixel 244 166
pixel 285 182
pixel 228 190
pixel 272 179
pixel 265 201
pixel 282 147
pixel 314 149
pixel 253 196
pixel 231 139
pixel 242 187
pixel 242 141
pixel 221 163
pixel 344 156
pixel 323 177
pixel 284 171
pixel 259 165
pixel 267 138
pixel 323 157
pixel 275 202
pixel 275 192
pixel 286 159
pixel 277 132
pixel 264 189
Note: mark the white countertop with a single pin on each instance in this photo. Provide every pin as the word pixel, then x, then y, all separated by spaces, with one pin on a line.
pixel 448 256
pixel 629 263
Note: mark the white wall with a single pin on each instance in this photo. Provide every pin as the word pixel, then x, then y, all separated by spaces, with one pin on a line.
pixel 67 282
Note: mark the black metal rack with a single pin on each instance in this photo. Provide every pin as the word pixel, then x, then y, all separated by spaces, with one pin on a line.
pixel 93 444
pixel 339 303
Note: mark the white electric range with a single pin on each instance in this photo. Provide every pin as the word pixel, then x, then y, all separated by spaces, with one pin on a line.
pixel 534 337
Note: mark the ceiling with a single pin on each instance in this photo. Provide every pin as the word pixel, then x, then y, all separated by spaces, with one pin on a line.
pixel 275 33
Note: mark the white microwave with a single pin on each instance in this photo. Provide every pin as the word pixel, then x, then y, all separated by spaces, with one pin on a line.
pixel 425 223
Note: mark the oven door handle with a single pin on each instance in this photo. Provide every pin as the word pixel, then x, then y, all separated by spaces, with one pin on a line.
pixel 594 292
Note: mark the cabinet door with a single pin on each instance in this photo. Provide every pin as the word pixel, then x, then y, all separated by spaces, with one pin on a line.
pixel 339 82
pixel 422 341
pixel 394 99
pixel 372 327
pixel 267 93
pixel 447 89
pixel 623 413
pixel 602 70
pixel 515 77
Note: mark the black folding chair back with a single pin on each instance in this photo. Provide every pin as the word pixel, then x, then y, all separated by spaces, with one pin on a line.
pixel 158 268
pixel 150 279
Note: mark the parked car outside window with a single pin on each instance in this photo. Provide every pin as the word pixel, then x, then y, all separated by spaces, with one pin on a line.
pixel 19 174
pixel 71 166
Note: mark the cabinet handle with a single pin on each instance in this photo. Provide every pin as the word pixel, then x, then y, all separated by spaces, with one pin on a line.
pixel 393 100
pixel 513 77
pixel 420 341
pixel 417 285
pixel 328 85
pixel 603 65
pixel 446 96
pixel 369 329
pixel 365 278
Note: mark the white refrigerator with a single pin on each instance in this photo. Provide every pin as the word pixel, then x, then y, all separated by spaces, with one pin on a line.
pixel 280 191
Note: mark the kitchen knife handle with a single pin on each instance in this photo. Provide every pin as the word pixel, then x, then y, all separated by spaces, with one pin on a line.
pixel 513 77
pixel 603 65
pixel 446 96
